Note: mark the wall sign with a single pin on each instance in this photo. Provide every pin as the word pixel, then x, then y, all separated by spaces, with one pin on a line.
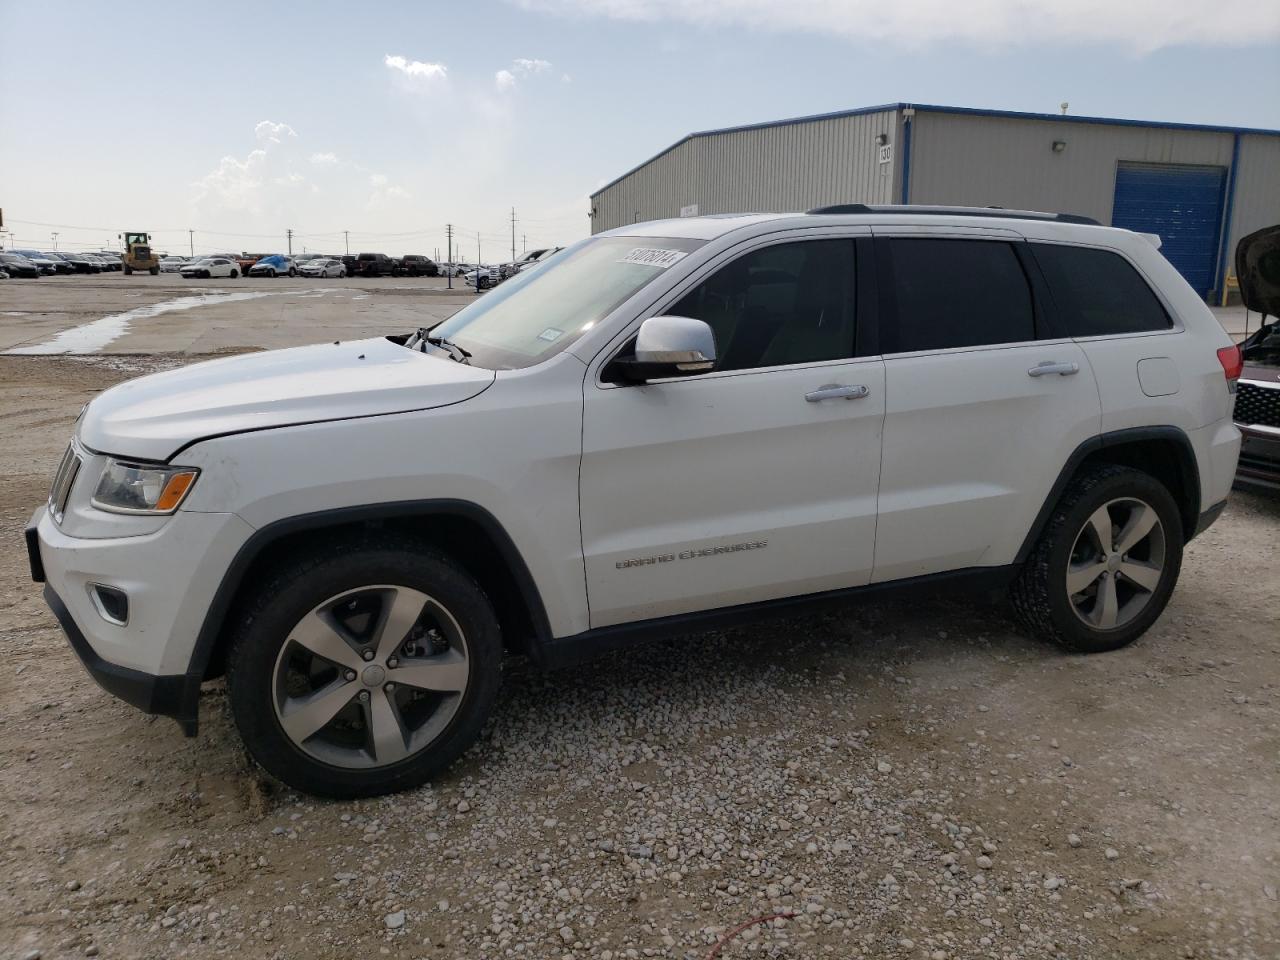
pixel 690 211
pixel 886 153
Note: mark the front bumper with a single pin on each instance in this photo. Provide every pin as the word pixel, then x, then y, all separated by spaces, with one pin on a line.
pixel 1259 457
pixel 169 576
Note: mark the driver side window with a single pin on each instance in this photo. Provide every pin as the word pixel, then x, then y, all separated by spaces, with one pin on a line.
pixel 785 304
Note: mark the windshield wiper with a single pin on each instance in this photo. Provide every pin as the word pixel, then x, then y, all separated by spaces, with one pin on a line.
pixel 420 339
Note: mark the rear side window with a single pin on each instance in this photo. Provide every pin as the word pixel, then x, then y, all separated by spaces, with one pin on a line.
pixel 1097 293
pixel 947 293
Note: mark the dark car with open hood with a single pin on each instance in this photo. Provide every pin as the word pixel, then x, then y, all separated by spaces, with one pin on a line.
pixel 1257 408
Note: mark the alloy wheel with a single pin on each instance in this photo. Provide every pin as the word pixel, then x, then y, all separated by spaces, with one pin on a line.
pixel 370 677
pixel 1116 563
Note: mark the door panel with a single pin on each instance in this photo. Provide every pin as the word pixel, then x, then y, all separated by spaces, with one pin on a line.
pixel 972 446
pixel 728 488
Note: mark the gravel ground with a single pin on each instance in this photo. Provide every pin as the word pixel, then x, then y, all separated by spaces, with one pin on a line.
pixel 905 780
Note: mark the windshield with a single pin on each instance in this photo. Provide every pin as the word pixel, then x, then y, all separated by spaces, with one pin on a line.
pixel 538 313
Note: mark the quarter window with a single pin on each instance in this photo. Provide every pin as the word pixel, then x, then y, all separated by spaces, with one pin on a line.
pixel 785 304
pixel 953 292
pixel 1097 293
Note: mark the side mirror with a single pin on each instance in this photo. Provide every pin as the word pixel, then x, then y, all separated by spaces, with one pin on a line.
pixel 670 347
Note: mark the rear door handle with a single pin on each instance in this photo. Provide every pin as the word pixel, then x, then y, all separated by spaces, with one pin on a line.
pixel 837 391
pixel 1061 368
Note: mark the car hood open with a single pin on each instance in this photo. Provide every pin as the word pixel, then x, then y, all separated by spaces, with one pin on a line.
pixel 1258 270
pixel 151 418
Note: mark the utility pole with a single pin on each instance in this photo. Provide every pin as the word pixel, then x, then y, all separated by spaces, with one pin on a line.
pixel 289 234
pixel 524 243
pixel 513 234
pixel 346 239
pixel 55 240
pixel 191 239
pixel 448 232
pixel 478 266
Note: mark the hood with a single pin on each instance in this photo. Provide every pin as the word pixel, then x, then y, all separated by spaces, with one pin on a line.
pixel 152 417
pixel 1258 270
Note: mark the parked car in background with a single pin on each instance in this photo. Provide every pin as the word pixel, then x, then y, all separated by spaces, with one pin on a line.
pixel 171 264
pixel 60 264
pixel 543 257
pixel 46 266
pixel 375 265
pixel 109 259
pixel 351 262
pixel 457 269
pixel 275 265
pixel 323 267
pixel 81 263
pixel 416 265
pixel 512 268
pixel 482 278
pixel 207 267
pixel 1257 405
pixel 17 265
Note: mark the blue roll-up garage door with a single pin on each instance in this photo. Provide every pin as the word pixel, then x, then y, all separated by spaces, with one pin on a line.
pixel 1180 202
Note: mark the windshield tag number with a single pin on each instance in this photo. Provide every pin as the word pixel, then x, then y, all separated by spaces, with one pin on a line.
pixel 653 257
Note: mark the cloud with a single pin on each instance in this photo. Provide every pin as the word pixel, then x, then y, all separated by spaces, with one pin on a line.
pixel 268 131
pixel 324 159
pixel 531 66
pixel 521 67
pixel 416 68
pixel 1143 25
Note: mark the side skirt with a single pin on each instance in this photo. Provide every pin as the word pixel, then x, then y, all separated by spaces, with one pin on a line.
pixel 560 652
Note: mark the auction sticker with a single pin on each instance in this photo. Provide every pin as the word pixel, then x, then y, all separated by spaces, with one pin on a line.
pixel 653 257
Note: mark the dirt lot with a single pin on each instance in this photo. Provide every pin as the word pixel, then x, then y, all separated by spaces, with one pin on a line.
pixel 911 780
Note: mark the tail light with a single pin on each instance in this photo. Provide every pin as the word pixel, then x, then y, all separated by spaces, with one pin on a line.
pixel 1232 361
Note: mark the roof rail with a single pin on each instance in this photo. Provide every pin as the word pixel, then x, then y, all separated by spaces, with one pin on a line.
pixel 862 208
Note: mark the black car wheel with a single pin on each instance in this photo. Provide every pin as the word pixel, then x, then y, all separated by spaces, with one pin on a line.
pixel 363 669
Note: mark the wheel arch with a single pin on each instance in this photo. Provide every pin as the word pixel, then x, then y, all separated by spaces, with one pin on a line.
pixel 465 531
pixel 1164 452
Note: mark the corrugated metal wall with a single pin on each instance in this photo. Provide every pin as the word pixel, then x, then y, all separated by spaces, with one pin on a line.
pixel 792 166
pixel 979 161
pixel 1257 188
pixel 971 159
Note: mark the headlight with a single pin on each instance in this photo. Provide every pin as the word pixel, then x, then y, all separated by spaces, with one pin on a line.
pixel 138 488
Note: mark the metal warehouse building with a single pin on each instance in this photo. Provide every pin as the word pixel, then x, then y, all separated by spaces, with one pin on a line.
pixel 1199 187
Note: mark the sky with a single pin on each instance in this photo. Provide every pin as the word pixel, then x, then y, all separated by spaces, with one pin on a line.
pixel 240 121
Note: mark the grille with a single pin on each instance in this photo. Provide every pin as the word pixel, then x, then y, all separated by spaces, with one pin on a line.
pixel 62 482
pixel 1257 405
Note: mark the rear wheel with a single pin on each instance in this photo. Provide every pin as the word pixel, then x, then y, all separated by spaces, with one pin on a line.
pixel 1106 564
pixel 155 271
pixel 364 671
pixel 128 271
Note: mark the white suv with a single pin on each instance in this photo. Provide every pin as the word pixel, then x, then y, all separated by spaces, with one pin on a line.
pixel 671 425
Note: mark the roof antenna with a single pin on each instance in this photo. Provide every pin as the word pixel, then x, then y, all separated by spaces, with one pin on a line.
pixel 1064 106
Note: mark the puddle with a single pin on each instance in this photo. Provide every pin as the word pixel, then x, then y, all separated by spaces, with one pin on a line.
pixel 13 313
pixel 92 337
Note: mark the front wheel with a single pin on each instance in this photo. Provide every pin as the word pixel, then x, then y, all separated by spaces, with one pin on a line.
pixel 1106 564
pixel 128 271
pixel 293 272
pixel 364 670
pixel 234 274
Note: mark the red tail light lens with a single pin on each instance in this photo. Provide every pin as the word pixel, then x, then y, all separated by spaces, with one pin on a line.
pixel 1232 361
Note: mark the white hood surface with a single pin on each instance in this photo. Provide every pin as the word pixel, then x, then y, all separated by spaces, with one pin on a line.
pixel 152 417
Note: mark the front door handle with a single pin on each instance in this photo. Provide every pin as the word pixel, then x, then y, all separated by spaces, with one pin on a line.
pixel 1062 368
pixel 837 391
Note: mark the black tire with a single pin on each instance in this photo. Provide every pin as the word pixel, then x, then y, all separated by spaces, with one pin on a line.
pixel 155 271
pixel 293 272
pixel 296 587
pixel 1040 595
pixel 483 283
pixel 128 271
pixel 234 273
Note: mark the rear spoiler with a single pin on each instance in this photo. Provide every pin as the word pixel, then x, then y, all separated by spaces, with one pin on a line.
pixel 1151 238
